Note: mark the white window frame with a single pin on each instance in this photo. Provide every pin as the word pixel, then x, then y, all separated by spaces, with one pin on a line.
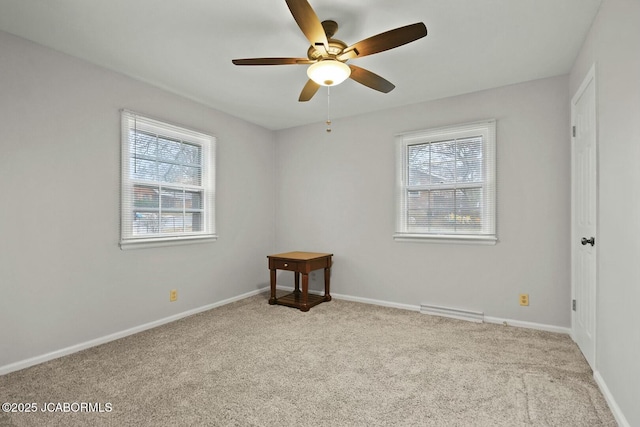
pixel 128 238
pixel 487 233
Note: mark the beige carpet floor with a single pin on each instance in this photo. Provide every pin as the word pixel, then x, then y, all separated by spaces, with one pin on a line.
pixel 340 364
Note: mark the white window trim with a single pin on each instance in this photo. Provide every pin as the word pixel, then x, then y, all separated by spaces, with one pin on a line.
pixel 446 238
pixel 488 129
pixel 131 119
pixel 169 241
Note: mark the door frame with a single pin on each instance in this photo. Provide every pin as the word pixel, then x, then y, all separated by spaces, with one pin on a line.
pixel 589 78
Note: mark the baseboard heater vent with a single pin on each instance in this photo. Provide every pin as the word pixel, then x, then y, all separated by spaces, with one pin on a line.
pixel 456 313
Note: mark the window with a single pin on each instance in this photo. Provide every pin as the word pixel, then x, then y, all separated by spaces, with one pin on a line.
pixel 168 183
pixel 446 183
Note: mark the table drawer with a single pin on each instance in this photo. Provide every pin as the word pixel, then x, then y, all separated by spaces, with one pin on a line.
pixel 284 265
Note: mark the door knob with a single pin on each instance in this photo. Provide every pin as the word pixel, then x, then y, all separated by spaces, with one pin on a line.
pixel 591 241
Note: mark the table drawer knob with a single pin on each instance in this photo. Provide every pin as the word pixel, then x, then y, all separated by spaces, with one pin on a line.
pixel 286 265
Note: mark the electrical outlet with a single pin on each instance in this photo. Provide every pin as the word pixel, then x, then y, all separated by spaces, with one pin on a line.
pixel 173 295
pixel 524 299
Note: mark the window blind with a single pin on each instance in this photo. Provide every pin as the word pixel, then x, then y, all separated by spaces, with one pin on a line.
pixel 168 185
pixel 446 184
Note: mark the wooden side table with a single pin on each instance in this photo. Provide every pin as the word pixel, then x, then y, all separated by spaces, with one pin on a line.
pixel 301 263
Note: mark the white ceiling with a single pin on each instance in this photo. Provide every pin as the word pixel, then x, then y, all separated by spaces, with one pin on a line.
pixel 187 46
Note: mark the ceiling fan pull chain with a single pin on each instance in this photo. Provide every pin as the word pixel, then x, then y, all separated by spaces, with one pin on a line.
pixel 328 105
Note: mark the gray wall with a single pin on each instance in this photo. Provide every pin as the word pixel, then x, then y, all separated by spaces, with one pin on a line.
pixel 63 277
pixel 336 194
pixel 613 44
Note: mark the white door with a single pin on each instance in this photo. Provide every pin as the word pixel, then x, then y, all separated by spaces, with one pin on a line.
pixel 583 212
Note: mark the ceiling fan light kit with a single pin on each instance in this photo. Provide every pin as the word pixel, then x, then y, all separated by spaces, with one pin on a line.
pixel 329 72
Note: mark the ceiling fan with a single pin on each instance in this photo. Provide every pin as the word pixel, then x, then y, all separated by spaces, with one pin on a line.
pixel 327 56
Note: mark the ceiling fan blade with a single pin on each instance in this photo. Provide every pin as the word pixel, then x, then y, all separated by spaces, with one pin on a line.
pixel 308 22
pixel 308 91
pixel 370 79
pixel 272 61
pixel 384 41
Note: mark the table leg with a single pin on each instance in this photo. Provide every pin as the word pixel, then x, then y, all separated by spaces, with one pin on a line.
pixel 327 278
pixel 297 281
pixel 305 292
pixel 272 300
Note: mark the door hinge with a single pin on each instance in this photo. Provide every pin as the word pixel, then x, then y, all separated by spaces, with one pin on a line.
pixel 573 131
pixel 573 305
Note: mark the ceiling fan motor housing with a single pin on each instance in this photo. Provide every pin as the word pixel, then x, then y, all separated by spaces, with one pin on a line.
pixel 335 48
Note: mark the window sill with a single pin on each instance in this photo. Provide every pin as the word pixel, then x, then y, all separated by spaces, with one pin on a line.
pixel 446 238
pixel 165 241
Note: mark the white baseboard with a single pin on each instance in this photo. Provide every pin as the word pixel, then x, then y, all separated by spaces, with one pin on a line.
pixel 615 409
pixel 16 366
pixel 528 325
pixel 377 302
